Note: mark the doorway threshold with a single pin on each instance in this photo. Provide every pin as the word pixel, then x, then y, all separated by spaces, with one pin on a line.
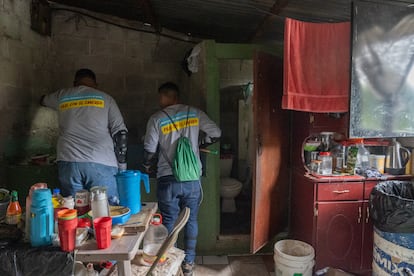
pixel 234 237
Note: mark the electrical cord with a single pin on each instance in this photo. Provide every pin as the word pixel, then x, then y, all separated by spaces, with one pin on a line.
pixel 123 26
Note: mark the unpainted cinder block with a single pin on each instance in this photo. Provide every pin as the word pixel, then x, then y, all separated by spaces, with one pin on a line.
pixel 107 47
pixel 10 25
pixel 70 45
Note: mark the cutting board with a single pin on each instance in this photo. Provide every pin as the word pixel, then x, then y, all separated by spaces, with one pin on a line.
pixel 139 222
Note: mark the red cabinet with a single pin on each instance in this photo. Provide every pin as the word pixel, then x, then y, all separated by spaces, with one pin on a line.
pixel 338 235
pixel 339 227
pixel 334 217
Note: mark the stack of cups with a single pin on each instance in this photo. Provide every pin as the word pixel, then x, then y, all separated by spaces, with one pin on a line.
pixel 103 227
pixel 67 223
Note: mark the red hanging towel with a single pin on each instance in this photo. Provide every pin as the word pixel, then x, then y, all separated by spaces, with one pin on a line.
pixel 316 66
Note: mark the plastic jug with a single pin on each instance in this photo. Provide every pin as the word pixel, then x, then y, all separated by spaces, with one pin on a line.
pixel 41 218
pixel 129 189
pixel 153 239
pixel 99 202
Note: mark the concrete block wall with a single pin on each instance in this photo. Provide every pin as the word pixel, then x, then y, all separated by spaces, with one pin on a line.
pixel 129 65
pixel 25 70
pixel 235 72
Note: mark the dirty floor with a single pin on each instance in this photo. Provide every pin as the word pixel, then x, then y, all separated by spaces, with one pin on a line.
pixel 248 265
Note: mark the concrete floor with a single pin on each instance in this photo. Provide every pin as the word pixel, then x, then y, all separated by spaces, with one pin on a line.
pixel 246 265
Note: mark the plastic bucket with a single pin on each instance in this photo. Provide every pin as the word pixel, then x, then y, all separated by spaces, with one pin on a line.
pixel 293 257
pixel 393 253
pixel 67 234
pixel 103 227
pixel 129 189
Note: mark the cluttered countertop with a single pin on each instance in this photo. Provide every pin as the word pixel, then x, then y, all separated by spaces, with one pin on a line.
pixel 329 157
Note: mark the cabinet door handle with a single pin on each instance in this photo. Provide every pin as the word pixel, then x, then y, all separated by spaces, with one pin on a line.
pixel 341 192
pixel 359 214
pixel 367 218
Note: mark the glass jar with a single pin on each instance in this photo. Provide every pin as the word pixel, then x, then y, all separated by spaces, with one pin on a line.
pixel 326 165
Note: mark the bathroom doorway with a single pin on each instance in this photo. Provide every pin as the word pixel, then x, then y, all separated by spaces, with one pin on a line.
pixel 237 148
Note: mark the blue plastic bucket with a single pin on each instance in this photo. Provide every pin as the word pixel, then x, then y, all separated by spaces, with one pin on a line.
pixel 129 189
pixel 41 218
pixel 393 253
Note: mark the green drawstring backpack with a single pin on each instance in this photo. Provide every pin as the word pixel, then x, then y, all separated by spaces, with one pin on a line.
pixel 185 165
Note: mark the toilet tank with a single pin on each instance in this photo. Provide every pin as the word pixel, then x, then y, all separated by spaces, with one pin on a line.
pixel 226 164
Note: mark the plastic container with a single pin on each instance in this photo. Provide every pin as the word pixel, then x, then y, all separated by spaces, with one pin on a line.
pixel 326 165
pixel 57 198
pixel 362 157
pixel 103 227
pixel 153 239
pixel 28 205
pixel 99 202
pixel 393 253
pixel 14 210
pixel 293 257
pixel 68 202
pixel 129 189
pixel 392 213
pixel 82 202
pixel 41 218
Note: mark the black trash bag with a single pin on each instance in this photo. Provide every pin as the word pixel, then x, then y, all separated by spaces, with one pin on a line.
pixel 23 260
pixel 392 206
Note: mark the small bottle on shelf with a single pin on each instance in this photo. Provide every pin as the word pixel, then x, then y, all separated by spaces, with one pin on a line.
pixel 14 210
pixel 57 198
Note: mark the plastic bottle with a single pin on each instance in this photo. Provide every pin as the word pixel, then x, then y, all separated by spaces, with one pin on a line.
pixel 57 199
pixel 362 156
pixel 68 202
pixel 153 239
pixel 14 210
pixel 90 270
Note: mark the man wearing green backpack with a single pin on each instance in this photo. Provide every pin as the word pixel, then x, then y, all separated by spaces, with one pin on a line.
pixel 174 133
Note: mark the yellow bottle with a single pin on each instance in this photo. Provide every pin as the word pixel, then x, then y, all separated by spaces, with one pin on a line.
pixel 57 199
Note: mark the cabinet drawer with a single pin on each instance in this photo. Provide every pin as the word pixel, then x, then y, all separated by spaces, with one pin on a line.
pixel 369 185
pixel 340 191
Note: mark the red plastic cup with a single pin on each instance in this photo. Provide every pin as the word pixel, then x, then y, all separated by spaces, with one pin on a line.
pixel 67 233
pixel 103 227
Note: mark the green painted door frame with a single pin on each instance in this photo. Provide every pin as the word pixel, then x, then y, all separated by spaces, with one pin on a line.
pixel 209 216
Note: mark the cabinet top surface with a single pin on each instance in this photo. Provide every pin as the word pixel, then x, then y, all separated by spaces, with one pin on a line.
pixel 355 178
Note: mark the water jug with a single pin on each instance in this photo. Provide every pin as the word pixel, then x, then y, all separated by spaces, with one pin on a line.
pixel 41 218
pixel 129 189
pixel 153 239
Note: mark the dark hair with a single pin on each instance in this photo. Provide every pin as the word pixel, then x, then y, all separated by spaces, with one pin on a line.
pixel 84 73
pixel 169 87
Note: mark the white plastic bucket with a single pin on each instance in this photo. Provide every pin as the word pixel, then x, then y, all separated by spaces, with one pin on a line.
pixel 293 257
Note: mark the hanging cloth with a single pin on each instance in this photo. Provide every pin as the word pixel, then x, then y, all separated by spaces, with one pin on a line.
pixel 316 66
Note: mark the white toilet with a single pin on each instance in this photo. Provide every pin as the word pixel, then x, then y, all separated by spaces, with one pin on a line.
pixel 229 187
